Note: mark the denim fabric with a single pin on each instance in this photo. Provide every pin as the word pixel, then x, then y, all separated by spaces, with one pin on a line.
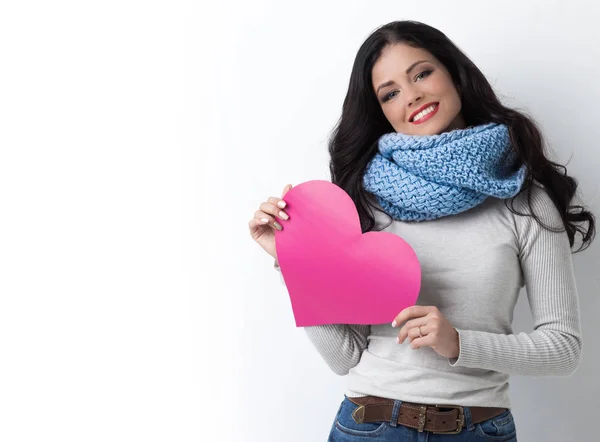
pixel 345 429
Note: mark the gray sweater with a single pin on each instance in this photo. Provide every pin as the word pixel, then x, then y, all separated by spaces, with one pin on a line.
pixel 473 267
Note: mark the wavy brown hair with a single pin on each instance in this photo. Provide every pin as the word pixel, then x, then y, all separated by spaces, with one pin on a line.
pixel 353 142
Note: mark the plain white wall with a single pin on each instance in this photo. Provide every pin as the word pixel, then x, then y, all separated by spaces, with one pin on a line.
pixel 278 73
pixel 138 138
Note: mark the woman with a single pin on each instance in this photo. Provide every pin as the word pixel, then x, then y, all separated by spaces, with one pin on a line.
pixel 424 141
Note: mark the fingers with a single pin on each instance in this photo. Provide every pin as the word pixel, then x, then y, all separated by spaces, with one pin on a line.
pixel 261 217
pixel 411 312
pixel 413 334
pixel 271 212
pixel 274 207
pixel 422 336
pixel 286 189
pixel 412 325
pixel 425 341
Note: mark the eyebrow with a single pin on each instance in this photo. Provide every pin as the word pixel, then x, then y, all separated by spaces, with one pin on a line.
pixel 410 68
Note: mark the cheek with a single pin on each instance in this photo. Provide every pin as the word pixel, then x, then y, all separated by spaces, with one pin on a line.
pixel 449 90
pixel 394 115
pixel 455 101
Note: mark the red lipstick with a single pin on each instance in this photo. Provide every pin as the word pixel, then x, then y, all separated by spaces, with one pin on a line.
pixel 426 117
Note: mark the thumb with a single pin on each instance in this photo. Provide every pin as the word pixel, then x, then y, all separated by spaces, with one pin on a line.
pixel 286 189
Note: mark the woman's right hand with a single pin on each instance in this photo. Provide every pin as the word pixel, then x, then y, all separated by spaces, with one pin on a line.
pixel 268 217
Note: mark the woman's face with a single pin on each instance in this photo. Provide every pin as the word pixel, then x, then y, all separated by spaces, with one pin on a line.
pixel 416 92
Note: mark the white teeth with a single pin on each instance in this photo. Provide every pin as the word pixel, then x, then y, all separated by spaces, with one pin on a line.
pixel 424 112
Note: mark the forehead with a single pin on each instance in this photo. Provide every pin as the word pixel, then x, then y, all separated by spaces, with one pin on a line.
pixel 395 60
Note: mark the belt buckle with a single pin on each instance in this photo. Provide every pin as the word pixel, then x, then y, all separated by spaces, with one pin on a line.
pixel 359 414
pixel 422 418
pixel 460 420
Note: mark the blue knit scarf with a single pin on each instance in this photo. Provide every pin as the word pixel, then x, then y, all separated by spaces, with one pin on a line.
pixel 417 178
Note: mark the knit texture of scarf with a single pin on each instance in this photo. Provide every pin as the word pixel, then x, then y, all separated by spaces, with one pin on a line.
pixel 417 178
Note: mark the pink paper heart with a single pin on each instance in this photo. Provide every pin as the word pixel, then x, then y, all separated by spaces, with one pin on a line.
pixel 335 274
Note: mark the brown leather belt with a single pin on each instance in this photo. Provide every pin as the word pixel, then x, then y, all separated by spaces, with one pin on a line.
pixel 446 419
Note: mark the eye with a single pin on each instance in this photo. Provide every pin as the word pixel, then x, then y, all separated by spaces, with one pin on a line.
pixel 424 74
pixel 389 96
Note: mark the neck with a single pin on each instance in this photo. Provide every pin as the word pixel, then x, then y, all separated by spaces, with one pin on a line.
pixel 457 123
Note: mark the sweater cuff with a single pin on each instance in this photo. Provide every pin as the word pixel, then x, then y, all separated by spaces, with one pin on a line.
pixel 467 354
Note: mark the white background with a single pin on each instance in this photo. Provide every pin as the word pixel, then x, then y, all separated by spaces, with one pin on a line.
pixel 138 138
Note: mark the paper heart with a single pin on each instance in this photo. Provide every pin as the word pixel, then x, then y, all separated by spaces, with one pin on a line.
pixel 334 273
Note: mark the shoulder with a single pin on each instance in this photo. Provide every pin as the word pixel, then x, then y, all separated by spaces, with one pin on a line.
pixel 547 232
pixel 535 200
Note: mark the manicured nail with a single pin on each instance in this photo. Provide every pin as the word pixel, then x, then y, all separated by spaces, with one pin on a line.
pixel 264 220
pixel 277 225
pixel 398 339
pixel 283 215
pixel 281 204
pixel 394 323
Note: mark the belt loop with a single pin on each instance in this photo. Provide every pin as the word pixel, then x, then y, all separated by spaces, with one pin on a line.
pixel 395 413
pixel 468 419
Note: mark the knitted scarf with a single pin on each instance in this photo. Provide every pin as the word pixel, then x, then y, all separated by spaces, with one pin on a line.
pixel 417 178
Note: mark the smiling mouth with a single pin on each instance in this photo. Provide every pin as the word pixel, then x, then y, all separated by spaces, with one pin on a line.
pixel 425 114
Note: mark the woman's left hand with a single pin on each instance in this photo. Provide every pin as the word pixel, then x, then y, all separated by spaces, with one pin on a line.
pixel 427 327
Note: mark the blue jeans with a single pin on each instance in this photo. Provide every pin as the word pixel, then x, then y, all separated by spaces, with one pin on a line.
pixel 345 429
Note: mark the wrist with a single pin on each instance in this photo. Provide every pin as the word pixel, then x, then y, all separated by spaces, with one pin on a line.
pixel 457 345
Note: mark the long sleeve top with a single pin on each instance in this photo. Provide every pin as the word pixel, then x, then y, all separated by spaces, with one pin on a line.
pixel 473 265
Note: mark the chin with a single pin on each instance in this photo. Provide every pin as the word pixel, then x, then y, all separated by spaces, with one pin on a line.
pixel 434 127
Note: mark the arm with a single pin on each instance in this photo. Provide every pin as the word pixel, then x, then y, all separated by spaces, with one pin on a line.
pixel 339 345
pixel 554 346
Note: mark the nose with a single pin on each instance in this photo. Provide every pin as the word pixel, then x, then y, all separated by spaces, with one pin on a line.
pixel 412 100
pixel 413 97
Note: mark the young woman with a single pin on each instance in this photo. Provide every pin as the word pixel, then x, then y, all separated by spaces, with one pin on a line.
pixel 424 144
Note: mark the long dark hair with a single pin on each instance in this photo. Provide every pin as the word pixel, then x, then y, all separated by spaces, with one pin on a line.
pixel 353 142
